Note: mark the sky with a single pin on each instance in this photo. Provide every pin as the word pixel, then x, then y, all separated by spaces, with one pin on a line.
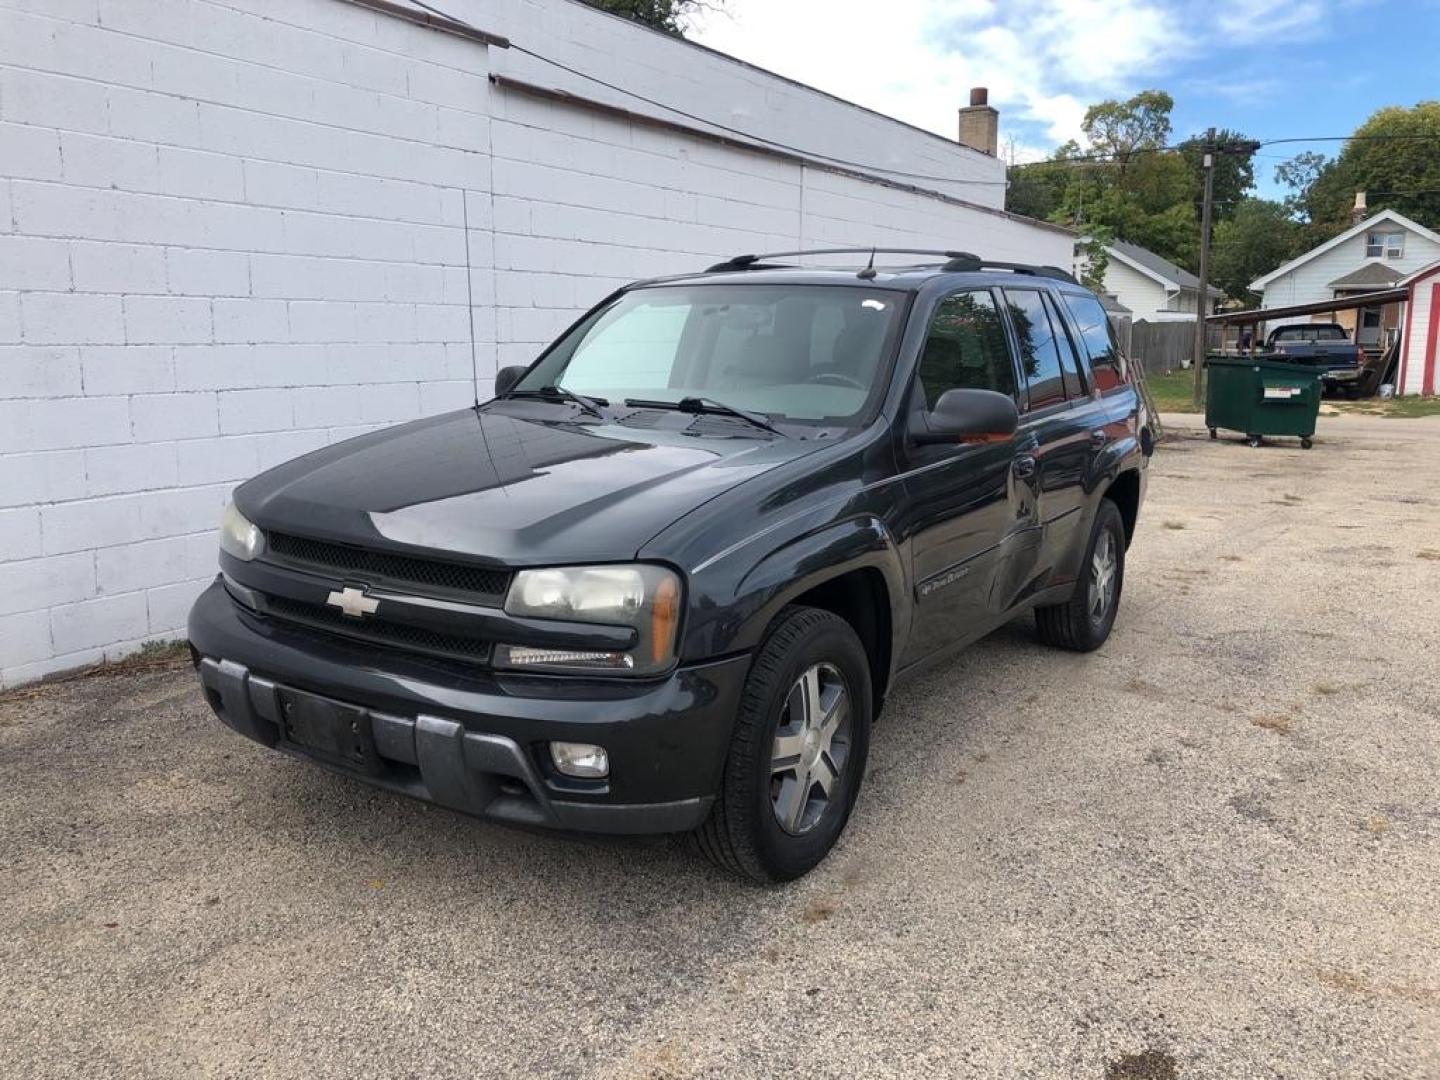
pixel 1268 68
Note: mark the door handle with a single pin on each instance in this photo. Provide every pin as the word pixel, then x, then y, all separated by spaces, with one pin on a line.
pixel 1098 437
pixel 1023 466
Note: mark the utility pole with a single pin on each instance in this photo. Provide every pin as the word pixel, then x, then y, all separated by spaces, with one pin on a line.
pixel 1203 301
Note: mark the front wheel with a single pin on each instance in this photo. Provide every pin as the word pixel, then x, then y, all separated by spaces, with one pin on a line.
pixel 798 751
pixel 1083 622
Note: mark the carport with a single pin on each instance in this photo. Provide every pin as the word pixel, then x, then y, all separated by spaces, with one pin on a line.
pixel 1382 372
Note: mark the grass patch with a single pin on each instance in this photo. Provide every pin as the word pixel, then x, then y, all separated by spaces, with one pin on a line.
pixel 1172 392
pixel 1174 525
pixel 1401 408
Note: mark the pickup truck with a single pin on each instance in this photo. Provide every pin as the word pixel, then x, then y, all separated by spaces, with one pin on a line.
pixel 665 579
pixel 1327 348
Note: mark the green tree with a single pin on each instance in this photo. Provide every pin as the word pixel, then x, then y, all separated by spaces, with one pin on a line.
pixel 666 15
pixel 1394 158
pixel 1123 129
pixel 1234 172
pixel 1258 237
pixel 1129 184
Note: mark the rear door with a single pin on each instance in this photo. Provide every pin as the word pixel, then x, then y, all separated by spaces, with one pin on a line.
pixel 1056 438
pixel 963 504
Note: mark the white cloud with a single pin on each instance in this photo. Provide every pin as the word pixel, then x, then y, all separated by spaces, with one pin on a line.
pixel 1044 61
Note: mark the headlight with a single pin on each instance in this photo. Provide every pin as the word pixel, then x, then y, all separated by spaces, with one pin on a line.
pixel 641 596
pixel 238 537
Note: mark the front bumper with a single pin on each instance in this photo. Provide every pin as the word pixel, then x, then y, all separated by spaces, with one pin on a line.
pixel 476 741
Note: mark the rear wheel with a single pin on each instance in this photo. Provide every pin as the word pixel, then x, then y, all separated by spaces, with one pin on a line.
pixel 1083 622
pixel 798 751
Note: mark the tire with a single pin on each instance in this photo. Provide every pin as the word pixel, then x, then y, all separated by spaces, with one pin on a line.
pixel 1252 440
pixel 1305 442
pixel 1073 625
pixel 744 833
pixel 1214 434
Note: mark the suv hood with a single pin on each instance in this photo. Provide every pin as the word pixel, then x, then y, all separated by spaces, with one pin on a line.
pixel 509 486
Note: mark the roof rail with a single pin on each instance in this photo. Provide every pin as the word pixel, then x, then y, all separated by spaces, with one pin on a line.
pixel 749 262
pixel 972 264
pixel 955 261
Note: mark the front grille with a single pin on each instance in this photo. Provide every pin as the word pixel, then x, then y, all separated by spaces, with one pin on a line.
pixel 342 560
pixel 377 631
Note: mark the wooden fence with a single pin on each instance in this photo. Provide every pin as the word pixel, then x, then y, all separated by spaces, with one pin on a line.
pixel 1162 347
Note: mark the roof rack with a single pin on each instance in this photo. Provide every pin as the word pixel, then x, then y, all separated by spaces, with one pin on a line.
pixel 749 262
pixel 955 261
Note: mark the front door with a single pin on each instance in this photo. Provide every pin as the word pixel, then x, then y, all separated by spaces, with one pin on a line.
pixel 964 502
pixel 1367 332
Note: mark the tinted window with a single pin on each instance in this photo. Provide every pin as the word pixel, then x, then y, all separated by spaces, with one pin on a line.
pixel 965 348
pixel 1069 358
pixel 1106 367
pixel 1311 333
pixel 1039 354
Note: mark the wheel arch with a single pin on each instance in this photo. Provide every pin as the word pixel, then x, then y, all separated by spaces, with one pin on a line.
pixel 852 569
pixel 1124 491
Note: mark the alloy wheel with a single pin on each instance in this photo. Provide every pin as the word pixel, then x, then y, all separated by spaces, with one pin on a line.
pixel 811 747
pixel 1104 565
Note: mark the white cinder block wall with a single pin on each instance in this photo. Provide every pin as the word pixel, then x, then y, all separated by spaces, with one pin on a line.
pixel 232 231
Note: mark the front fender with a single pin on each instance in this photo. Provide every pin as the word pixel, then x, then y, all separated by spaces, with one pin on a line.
pixel 735 598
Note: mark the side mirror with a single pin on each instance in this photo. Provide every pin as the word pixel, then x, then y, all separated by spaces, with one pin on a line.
pixel 507 377
pixel 964 415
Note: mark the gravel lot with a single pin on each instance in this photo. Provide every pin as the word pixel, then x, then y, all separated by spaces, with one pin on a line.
pixel 1210 850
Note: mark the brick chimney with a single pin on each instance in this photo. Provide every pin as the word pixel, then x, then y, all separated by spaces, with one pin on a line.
pixel 979 123
pixel 1359 212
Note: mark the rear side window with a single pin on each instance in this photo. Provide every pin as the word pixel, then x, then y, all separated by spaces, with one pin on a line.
pixel 1070 365
pixel 1039 350
pixel 1106 366
pixel 966 348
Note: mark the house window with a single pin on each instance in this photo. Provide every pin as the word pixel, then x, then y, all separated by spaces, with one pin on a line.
pixel 1383 245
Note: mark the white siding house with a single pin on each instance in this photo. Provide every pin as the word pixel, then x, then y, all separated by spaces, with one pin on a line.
pixel 1153 288
pixel 1374 254
pixel 232 231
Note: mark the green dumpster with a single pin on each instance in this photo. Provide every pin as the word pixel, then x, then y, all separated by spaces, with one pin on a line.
pixel 1261 397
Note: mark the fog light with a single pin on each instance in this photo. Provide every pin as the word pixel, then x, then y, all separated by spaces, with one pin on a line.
pixel 523 656
pixel 580 760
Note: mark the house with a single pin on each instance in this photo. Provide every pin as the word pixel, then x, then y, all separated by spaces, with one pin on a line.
pixel 1374 254
pixel 1153 288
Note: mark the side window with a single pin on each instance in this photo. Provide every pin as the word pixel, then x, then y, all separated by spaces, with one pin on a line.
pixel 1106 366
pixel 1070 366
pixel 966 348
pixel 1039 353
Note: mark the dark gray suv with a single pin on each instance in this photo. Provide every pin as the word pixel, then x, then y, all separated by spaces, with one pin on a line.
pixel 663 581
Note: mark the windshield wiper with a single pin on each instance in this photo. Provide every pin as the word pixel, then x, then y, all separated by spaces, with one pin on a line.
pixel 699 405
pixel 556 392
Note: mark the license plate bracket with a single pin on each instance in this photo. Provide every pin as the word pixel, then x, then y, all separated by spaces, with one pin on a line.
pixel 329 729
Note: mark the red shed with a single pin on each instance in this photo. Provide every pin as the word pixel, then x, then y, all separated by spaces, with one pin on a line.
pixel 1421 334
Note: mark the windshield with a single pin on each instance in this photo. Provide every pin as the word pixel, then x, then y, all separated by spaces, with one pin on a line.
pixel 801 353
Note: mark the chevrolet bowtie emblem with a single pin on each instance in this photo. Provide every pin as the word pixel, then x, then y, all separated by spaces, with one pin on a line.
pixel 353 602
